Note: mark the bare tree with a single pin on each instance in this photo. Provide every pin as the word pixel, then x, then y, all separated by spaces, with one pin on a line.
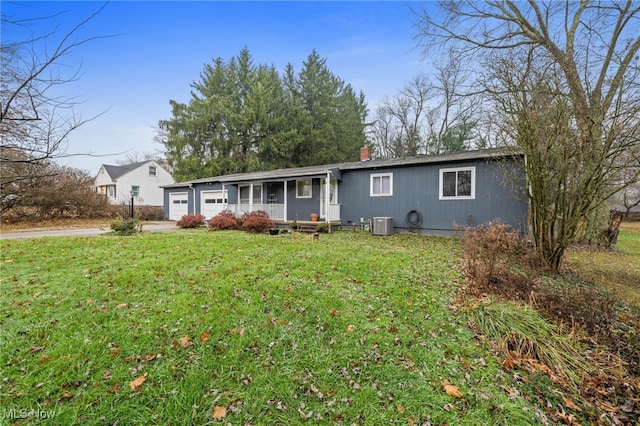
pixel 399 125
pixel 35 122
pixel 429 115
pixel 570 70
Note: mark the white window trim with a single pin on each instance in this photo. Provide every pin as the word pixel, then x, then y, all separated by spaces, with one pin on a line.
pixel 251 188
pixel 300 182
pixel 472 169
pixel 381 175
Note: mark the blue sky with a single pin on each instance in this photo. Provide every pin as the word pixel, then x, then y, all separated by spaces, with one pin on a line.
pixel 160 47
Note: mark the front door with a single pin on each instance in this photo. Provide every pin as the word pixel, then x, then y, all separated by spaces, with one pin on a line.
pixel 333 198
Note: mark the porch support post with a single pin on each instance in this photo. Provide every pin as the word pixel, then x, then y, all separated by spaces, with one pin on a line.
pixel 327 196
pixel 251 197
pixel 285 200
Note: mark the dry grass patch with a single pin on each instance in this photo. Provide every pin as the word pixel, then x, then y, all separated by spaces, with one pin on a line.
pixel 54 224
pixel 616 270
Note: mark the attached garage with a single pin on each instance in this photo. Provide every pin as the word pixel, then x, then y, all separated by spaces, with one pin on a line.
pixel 213 202
pixel 178 205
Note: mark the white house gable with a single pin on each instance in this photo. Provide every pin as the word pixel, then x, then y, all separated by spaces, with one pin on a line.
pixel 142 181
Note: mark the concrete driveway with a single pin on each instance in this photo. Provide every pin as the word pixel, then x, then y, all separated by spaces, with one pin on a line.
pixel 83 232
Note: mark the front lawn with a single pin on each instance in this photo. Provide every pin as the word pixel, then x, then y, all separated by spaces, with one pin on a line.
pixel 201 328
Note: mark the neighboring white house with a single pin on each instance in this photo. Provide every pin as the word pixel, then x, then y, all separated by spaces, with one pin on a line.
pixel 142 181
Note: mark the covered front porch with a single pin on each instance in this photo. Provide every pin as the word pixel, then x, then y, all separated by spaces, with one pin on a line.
pixel 292 198
pixel 278 212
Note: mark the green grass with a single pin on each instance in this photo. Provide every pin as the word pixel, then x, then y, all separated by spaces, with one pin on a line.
pixel 349 329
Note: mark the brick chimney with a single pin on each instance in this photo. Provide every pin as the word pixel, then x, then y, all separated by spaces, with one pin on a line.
pixel 365 153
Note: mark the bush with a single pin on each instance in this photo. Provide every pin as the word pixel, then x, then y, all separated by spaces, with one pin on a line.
pixel 256 222
pixel 149 212
pixel 497 259
pixel 224 220
pixel 126 226
pixel 190 221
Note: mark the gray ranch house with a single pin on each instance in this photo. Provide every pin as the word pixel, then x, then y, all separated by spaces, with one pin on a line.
pixel 428 193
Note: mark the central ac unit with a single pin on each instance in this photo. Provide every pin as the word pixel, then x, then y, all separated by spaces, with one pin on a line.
pixel 382 225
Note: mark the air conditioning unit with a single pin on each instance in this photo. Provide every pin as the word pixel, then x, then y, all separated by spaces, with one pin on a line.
pixel 382 225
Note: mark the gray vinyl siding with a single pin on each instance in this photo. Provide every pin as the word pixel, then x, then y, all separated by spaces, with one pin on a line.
pixel 417 188
pixel 301 208
pixel 168 191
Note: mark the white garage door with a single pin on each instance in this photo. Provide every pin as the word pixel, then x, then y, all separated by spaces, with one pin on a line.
pixel 213 202
pixel 178 205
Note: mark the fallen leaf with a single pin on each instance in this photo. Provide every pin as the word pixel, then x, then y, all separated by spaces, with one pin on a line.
pixel 90 301
pixel 400 408
pixel 219 412
pixel 185 341
pixel 122 306
pixel 115 352
pixel 569 403
pixel 333 312
pixel 115 388
pixel 451 390
pixel 510 363
pixel 135 384
pixel 107 375
pixel 205 336
pixel 35 349
pixel 351 328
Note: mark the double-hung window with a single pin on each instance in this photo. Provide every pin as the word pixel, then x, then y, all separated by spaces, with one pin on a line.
pixel 381 185
pixel 303 188
pixel 251 194
pixel 458 183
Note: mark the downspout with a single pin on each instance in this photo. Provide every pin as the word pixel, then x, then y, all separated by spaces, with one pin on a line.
pixel 225 197
pixel 194 198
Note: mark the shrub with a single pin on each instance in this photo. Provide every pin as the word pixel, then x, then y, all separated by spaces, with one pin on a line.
pixel 257 222
pixel 126 226
pixel 224 220
pixel 149 212
pixel 323 227
pixel 190 221
pixel 498 259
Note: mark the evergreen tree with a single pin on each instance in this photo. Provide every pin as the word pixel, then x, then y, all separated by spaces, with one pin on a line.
pixel 243 117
